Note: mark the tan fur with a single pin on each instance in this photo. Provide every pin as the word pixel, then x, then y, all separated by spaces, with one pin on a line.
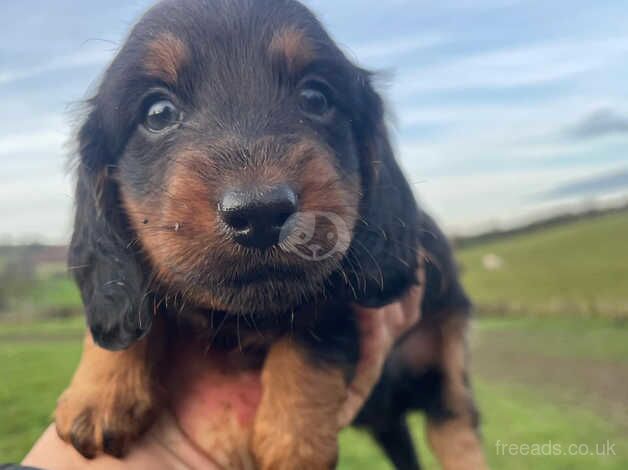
pixel 456 445
pixel 296 423
pixel 165 56
pixel 110 401
pixel 176 225
pixel 294 47
pixel 322 187
pixel 455 441
pixel 163 222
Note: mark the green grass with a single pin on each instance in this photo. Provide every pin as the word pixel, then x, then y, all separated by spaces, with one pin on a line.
pixel 55 293
pixel 584 338
pixel 32 377
pixel 47 294
pixel 67 326
pixel 580 267
pixel 512 415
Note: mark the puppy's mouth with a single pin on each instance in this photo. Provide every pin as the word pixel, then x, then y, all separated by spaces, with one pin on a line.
pixel 264 275
pixel 261 287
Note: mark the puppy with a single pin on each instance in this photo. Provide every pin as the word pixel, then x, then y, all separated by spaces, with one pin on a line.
pixel 236 186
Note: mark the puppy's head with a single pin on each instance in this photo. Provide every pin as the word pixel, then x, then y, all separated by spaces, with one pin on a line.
pixel 234 156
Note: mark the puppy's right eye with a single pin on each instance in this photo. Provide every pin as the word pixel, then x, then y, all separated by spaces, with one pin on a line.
pixel 161 115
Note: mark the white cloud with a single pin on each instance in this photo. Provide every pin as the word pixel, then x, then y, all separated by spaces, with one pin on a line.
pixel 512 67
pixel 497 198
pixel 37 207
pixel 396 46
pixel 81 58
pixel 530 132
pixel 544 112
pixel 50 140
pixel 352 5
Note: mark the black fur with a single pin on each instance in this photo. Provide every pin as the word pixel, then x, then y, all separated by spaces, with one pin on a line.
pixel 387 236
pixel 111 279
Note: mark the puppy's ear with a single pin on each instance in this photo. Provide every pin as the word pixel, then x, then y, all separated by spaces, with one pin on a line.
pixel 107 270
pixel 386 238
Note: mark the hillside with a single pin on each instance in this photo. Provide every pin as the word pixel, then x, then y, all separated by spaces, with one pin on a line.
pixel 577 268
pixel 34 283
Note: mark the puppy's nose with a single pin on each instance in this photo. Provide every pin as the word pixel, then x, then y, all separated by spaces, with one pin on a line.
pixel 257 216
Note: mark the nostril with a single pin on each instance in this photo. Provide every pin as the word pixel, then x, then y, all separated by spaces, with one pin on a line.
pixel 236 221
pixel 234 209
pixel 280 218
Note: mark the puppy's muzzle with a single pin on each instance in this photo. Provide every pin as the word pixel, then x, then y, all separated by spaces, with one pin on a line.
pixel 256 217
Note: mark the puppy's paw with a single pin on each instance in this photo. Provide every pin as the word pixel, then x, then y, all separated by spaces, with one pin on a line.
pixel 104 417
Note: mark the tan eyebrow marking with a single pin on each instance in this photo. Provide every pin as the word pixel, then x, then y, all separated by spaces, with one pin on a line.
pixel 165 57
pixel 295 48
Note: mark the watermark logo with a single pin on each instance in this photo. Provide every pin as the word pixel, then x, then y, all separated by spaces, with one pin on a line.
pixel 315 235
pixel 555 449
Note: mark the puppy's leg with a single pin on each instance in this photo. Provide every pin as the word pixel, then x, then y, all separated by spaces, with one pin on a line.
pixel 396 441
pixel 452 426
pixel 110 401
pixel 296 426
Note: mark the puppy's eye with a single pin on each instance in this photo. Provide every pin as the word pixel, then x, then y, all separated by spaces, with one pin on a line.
pixel 161 115
pixel 314 102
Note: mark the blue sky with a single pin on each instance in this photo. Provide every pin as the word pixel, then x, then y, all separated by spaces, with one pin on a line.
pixel 500 108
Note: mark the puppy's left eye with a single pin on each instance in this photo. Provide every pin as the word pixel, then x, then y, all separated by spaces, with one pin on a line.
pixel 314 102
pixel 161 115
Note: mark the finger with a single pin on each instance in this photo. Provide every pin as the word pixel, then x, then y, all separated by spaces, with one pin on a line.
pixel 375 341
pixel 409 312
pixel 411 301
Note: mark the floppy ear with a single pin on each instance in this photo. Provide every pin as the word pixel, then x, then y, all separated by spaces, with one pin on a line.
pixel 386 238
pixel 106 268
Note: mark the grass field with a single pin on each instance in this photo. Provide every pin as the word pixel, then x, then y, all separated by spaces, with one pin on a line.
pixel 579 268
pixel 40 298
pixel 34 283
pixel 550 378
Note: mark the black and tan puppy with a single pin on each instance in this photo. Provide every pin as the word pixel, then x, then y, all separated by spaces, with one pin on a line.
pixel 236 183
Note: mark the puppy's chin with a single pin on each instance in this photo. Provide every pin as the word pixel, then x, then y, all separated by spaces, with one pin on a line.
pixel 260 283
pixel 266 293
pixel 262 298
